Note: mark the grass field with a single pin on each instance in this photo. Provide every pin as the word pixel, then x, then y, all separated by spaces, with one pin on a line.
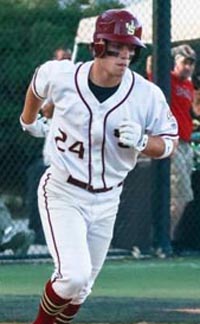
pixel 153 291
pixel 175 278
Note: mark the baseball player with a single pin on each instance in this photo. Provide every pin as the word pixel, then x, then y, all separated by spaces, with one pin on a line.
pixel 104 116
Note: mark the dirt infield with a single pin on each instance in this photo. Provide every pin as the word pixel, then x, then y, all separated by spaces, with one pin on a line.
pixel 91 323
pixel 104 310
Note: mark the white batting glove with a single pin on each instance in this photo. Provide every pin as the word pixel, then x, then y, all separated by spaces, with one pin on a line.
pixel 39 128
pixel 130 134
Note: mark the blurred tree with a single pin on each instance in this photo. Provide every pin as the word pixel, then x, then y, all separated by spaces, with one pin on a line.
pixel 32 4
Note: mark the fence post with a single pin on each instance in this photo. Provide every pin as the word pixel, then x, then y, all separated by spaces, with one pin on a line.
pixel 161 168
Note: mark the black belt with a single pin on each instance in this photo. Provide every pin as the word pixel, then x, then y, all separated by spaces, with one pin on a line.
pixel 88 187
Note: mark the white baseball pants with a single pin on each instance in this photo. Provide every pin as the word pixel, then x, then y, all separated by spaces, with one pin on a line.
pixel 78 227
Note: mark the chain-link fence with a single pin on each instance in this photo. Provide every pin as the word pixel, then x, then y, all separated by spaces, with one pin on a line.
pixel 30 32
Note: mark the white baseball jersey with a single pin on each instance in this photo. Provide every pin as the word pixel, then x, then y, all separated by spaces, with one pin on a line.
pixel 83 140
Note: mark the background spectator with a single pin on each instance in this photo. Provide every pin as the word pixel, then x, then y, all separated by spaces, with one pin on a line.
pixel 62 54
pixel 182 95
pixel 11 236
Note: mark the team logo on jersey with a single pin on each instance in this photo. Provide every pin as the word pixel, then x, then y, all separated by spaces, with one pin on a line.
pixel 130 27
pixel 171 119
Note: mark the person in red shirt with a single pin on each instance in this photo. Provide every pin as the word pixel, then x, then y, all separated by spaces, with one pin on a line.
pixel 182 93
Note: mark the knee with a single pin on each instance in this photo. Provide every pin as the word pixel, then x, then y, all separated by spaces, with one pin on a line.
pixel 78 280
pixel 72 283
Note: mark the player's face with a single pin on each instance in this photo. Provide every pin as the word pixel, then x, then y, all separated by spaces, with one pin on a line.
pixel 118 57
pixel 184 68
pixel 120 50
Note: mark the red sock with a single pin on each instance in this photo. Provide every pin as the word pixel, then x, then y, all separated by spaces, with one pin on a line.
pixel 67 315
pixel 50 306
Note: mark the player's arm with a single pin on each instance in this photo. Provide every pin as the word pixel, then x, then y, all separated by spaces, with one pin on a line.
pixel 161 127
pixel 48 109
pixel 35 96
pixel 31 107
pixel 159 147
pixel 30 119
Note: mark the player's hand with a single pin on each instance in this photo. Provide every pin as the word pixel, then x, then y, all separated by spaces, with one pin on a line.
pixel 43 125
pixel 130 135
pixel 39 128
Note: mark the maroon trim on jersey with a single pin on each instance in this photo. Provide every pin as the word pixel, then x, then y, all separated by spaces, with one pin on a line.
pixel 169 135
pixel 50 224
pixel 90 123
pixel 34 84
pixel 104 126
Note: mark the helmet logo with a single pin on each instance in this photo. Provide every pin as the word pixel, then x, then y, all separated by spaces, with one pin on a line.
pixel 130 27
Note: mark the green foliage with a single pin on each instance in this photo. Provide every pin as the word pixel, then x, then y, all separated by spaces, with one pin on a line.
pixel 102 6
pixel 28 37
pixel 29 4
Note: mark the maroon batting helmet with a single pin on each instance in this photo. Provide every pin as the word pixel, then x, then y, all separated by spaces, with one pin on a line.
pixel 117 25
